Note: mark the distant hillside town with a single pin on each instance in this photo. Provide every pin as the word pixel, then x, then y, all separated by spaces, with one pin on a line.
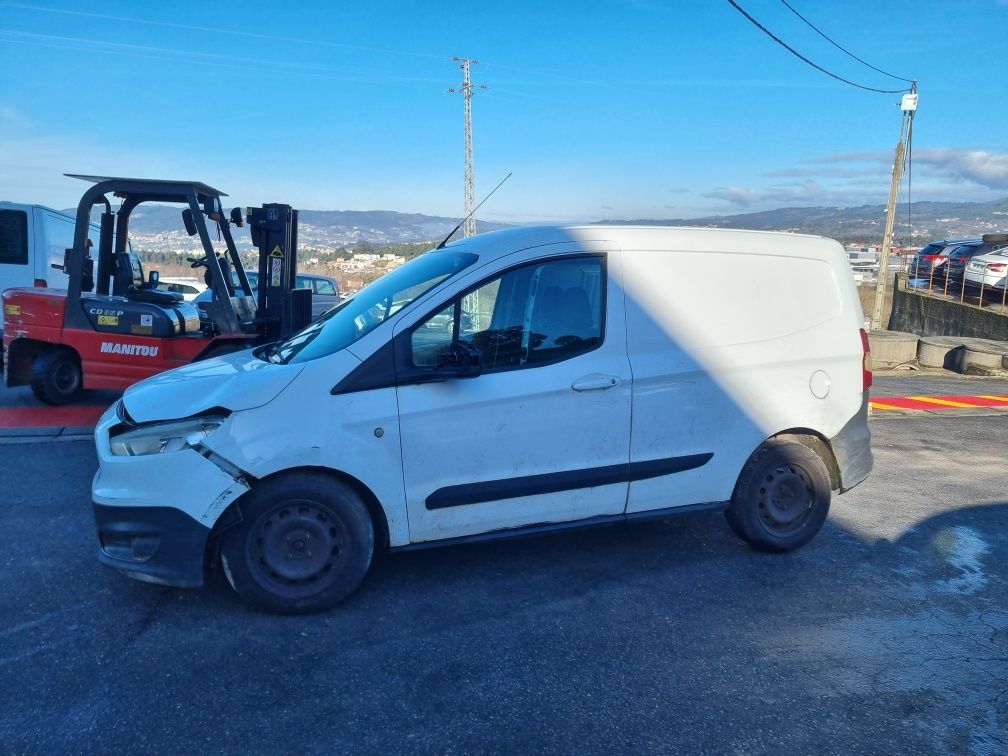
pixel 358 246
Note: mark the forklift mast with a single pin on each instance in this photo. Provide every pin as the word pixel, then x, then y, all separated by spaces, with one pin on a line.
pixel 282 308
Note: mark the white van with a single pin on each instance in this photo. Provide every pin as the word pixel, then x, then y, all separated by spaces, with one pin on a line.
pixel 590 374
pixel 32 239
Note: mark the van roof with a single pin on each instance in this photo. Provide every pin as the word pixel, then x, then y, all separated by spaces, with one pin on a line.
pixel 644 238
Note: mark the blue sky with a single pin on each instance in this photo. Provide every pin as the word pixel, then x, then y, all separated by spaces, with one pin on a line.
pixel 631 109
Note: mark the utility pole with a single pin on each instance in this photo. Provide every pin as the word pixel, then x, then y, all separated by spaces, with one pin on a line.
pixel 469 228
pixel 909 107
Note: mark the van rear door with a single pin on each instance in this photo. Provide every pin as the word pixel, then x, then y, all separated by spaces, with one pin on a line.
pixel 543 434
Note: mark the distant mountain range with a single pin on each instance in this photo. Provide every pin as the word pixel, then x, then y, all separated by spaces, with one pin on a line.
pixel 930 220
pixel 324 228
pixel 335 228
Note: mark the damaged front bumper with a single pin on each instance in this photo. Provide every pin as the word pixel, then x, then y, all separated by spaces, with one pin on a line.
pixel 155 512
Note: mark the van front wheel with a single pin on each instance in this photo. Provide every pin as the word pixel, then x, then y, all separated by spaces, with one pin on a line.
pixel 304 544
pixel 782 497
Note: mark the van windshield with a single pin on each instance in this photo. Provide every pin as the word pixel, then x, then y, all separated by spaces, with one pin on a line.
pixel 371 306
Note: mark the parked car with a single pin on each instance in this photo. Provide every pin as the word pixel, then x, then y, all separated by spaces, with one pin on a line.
pixel 928 265
pixel 955 268
pixel 325 290
pixel 944 262
pixel 989 270
pixel 290 465
pixel 189 288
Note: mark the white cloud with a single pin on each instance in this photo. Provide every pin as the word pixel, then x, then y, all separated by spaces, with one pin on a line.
pixel 981 167
pixel 860 178
pixel 806 193
pixel 987 169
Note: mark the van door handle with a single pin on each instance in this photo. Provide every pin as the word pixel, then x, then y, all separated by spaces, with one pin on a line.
pixel 595 382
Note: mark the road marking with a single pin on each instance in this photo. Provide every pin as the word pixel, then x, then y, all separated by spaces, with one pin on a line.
pixel 921 403
pixel 880 406
pixel 943 402
pixel 49 417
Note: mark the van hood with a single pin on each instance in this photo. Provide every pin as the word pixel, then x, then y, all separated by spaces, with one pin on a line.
pixel 237 381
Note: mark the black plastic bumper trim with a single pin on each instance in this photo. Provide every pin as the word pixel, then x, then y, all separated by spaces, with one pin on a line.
pixel 548 528
pixel 568 480
pixel 157 544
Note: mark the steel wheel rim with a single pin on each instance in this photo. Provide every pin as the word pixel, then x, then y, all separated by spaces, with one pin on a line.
pixel 66 378
pixel 784 500
pixel 296 548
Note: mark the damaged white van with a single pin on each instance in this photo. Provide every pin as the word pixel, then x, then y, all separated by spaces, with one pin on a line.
pixel 511 383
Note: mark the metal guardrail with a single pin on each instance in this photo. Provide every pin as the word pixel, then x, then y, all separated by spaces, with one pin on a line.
pixel 961 290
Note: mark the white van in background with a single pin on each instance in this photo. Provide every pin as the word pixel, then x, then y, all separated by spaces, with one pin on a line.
pixel 32 239
pixel 589 375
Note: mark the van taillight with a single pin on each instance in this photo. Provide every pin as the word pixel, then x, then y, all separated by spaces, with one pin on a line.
pixel 41 283
pixel 866 374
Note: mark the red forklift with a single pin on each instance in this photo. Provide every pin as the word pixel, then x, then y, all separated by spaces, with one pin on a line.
pixel 112 327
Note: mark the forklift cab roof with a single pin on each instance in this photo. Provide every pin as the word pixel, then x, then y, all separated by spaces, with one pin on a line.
pixel 166 191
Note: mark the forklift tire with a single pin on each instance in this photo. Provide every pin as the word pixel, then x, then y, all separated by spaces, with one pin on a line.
pixel 56 377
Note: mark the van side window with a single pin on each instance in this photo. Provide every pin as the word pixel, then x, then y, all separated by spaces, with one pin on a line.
pixel 13 237
pixel 59 238
pixel 431 340
pixel 533 315
pixel 324 287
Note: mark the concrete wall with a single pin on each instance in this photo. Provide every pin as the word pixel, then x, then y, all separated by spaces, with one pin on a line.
pixel 929 316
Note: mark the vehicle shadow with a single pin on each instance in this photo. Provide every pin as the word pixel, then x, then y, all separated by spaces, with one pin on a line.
pixel 693 560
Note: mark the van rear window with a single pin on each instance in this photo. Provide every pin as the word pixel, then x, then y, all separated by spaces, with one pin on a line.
pixel 13 237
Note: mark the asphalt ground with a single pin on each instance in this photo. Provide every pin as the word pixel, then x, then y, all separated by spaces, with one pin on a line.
pixel 887 634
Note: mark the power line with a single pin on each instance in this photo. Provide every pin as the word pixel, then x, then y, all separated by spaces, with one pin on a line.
pixel 841 47
pixel 797 54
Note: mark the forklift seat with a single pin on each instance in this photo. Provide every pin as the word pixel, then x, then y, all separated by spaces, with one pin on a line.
pixel 154 296
pixel 129 282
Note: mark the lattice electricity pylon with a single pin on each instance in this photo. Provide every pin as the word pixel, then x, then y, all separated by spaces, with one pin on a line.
pixel 469 227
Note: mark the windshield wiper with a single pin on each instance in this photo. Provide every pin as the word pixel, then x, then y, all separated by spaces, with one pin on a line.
pixel 271 353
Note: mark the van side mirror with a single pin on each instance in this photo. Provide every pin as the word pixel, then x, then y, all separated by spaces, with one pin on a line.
pixel 190 223
pixel 462 360
pixel 153 277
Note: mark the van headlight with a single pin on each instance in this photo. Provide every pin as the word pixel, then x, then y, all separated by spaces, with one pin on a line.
pixel 163 437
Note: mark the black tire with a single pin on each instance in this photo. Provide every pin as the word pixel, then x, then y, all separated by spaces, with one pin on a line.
pixel 304 544
pixel 56 377
pixel 781 498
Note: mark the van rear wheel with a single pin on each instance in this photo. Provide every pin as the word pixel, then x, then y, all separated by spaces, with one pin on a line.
pixel 56 376
pixel 304 544
pixel 782 497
